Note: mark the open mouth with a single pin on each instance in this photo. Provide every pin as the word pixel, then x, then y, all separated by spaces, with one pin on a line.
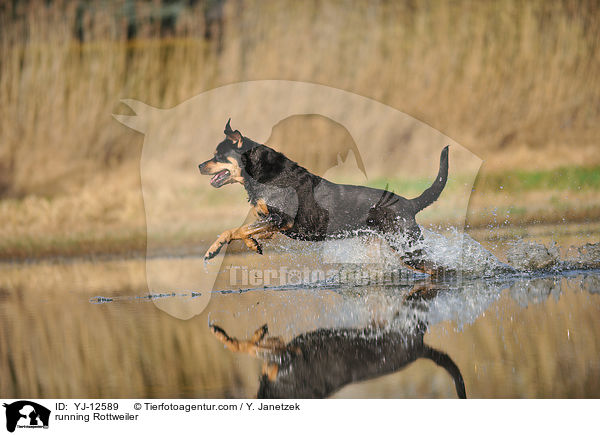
pixel 220 178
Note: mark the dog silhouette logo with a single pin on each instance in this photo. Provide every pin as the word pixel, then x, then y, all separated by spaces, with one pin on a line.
pixel 26 414
pixel 179 204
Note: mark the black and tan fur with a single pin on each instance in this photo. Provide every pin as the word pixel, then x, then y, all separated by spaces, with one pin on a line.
pixel 316 364
pixel 288 199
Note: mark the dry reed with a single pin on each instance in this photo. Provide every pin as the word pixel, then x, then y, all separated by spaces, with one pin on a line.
pixel 496 77
pixel 515 82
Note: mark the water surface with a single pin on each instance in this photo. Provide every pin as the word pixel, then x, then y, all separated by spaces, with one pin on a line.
pixel 525 334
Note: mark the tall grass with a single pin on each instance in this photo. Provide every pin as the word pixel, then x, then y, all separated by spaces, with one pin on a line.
pixel 495 76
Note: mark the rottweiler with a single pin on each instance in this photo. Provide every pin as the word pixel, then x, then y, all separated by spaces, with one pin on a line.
pixel 316 364
pixel 288 199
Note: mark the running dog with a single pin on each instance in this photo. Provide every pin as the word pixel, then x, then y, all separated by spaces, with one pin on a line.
pixel 288 199
pixel 316 364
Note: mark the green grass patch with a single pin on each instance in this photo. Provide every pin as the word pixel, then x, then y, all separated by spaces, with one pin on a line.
pixel 408 187
pixel 572 178
pixel 566 178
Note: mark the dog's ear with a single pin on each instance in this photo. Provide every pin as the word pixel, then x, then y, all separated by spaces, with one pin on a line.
pixel 234 136
pixel 228 129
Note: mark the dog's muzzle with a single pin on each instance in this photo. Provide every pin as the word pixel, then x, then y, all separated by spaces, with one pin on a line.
pixel 220 178
pixel 202 168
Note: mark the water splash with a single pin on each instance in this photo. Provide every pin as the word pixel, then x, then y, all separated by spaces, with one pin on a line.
pixel 457 251
pixel 450 249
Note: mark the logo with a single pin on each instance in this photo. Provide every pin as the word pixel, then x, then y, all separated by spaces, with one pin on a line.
pixel 269 112
pixel 26 414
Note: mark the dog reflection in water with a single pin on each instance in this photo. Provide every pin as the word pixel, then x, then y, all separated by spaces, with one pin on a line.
pixel 316 364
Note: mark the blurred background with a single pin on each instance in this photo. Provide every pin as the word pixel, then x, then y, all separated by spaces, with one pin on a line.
pixel 517 83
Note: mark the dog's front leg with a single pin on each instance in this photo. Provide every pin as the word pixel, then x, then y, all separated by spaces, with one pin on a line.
pixel 250 234
pixel 261 229
pixel 242 233
pixel 224 238
pixel 233 344
pixel 259 344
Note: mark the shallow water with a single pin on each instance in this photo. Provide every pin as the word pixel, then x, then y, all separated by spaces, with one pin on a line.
pixel 83 329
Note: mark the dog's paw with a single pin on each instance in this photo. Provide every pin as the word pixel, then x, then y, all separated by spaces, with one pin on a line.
pixel 219 332
pixel 260 333
pixel 253 245
pixel 258 248
pixel 216 328
pixel 213 251
pixel 209 256
pixel 215 248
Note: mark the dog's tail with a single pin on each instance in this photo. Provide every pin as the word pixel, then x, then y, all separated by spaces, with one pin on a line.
pixel 443 360
pixel 433 192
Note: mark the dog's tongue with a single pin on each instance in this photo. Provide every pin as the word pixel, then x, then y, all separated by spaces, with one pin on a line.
pixel 218 179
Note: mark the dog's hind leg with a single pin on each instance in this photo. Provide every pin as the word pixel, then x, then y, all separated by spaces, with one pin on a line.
pixel 411 253
pixel 422 290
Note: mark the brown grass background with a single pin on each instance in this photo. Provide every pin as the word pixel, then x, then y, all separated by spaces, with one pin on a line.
pixel 518 83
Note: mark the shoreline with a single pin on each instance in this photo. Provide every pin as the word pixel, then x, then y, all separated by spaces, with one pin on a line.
pixel 121 248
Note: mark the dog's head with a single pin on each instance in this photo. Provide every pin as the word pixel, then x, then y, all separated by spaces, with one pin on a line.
pixel 226 165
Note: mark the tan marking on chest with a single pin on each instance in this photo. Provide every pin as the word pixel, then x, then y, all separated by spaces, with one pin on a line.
pixel 261 209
